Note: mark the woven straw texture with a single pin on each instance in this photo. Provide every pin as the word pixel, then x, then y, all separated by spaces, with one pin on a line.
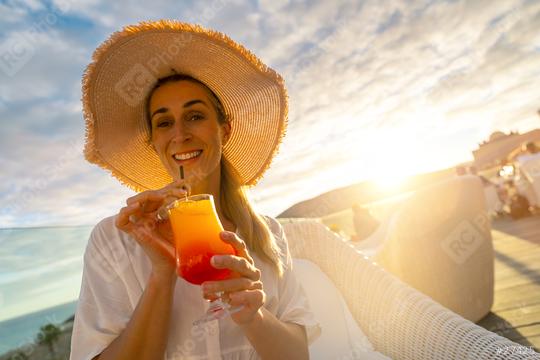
pixel 127 65
pixel 399 321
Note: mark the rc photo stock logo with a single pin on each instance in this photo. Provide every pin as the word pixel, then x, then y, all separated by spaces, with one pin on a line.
pixel 15 53
pixel 19 47
pixel 134 84
pixel 461 243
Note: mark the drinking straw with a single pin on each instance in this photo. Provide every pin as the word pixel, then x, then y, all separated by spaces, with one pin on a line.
pixel 182 177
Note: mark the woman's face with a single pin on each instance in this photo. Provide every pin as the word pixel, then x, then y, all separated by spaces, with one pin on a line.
pixel 186 131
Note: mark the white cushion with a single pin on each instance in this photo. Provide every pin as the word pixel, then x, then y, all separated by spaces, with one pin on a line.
pixel 341 337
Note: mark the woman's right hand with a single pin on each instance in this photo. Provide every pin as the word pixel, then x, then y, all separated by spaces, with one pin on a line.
pixel 139 219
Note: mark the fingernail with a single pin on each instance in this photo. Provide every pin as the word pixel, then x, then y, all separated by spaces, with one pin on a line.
pixel 217 260
pixel 226 235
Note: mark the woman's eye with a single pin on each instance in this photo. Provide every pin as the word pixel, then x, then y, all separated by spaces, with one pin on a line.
pixel 162 123
pixel 195 117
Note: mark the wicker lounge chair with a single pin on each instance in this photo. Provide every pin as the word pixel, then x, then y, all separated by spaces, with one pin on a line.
pixel 399 321
pixel 439 242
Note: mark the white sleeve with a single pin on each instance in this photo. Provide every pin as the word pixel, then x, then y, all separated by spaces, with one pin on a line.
pixel 293 303
pixel 103 309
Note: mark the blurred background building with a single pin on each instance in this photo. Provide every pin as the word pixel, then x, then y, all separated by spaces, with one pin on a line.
pixel 495 150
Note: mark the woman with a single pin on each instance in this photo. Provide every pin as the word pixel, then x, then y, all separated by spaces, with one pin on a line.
pixel 158 96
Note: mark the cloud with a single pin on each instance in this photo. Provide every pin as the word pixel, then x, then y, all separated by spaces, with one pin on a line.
pixel 39 65
pixel 43 270
pixel 72 282
pixel 21 297
pixel 359 74
pixel 10 15
pixel 112 15
pixel 50 183
pixel 443 67
pixel 377 88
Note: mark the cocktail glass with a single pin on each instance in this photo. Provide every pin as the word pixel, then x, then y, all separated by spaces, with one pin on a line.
pixel 196 227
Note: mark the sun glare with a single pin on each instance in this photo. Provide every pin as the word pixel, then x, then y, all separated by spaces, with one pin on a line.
pixel 388 156
pixel 389 182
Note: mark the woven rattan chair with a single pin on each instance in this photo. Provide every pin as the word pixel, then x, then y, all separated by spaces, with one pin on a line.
pixel 439 242
pixel 400 322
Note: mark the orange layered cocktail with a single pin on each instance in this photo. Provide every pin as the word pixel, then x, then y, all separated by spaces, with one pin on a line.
pixel 196 229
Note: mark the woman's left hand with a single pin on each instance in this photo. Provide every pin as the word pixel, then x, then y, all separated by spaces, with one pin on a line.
pixel 246 288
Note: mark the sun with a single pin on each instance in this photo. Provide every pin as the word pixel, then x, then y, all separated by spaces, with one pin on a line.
pixel 388 167
pixel 389 182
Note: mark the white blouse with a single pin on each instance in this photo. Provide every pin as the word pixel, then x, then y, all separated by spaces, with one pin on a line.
pixel 115 273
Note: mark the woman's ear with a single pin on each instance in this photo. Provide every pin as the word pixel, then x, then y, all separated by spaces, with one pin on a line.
pixel 226 127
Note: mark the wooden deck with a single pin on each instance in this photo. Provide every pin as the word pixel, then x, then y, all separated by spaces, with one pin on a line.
pixel 516 310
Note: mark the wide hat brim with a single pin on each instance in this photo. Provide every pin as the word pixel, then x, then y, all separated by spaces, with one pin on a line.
pixel 127 65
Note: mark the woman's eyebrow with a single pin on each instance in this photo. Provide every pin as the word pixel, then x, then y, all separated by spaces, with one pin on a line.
pixel 158 111
pixel 193 102
pixel 186 105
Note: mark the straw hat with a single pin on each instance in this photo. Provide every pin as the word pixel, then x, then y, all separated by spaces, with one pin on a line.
pixel 127 65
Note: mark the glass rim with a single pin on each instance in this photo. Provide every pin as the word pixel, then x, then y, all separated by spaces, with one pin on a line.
pixel 196 197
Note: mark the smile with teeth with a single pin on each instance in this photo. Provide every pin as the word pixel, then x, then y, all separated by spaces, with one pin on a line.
pixel 187 156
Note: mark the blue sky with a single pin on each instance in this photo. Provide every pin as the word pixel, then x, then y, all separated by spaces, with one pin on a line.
pixel 40 268
pixel 378 89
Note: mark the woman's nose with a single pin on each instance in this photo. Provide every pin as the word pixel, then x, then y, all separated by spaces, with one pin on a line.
pixel 181 132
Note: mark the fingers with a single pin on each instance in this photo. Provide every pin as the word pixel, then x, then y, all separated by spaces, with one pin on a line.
pixel 171 195
pixel 237 264
pixel 238 244
pixel 231 285
pixel 243 263
pixel 253 299
pixel 174 194
pixel 149 200
pixel 123 219
pixel 175 190
pixel 152 199
pixel 130 217
pixel 157 200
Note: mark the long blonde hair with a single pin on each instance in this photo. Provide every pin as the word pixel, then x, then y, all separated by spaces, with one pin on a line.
pixel 234 199
pixel 253 228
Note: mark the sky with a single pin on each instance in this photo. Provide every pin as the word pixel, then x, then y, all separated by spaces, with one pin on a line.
pixel 39 268
pixel 378 90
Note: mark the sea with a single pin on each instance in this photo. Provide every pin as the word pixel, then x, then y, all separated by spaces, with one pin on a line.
pixel 40 276
pixel 23 329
